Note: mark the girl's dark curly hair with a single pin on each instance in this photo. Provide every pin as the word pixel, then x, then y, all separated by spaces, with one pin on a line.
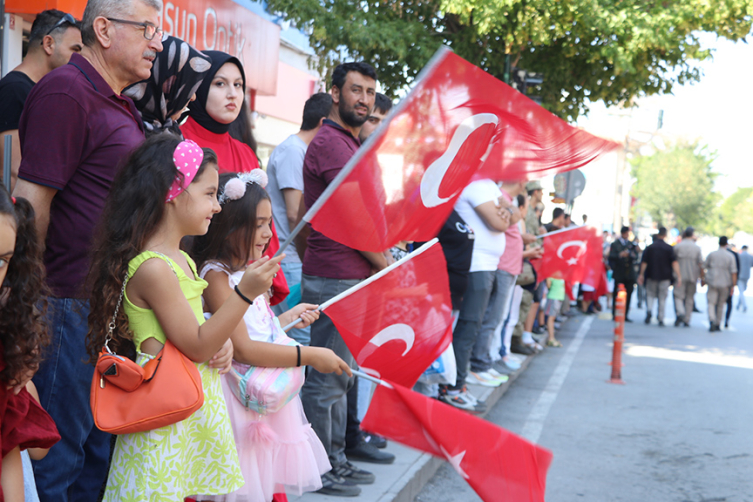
pixel 231 234
pixel 133 209
pixel 23 328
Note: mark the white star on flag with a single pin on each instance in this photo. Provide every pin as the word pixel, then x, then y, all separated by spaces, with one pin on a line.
pixel 455 461
pixel 572 261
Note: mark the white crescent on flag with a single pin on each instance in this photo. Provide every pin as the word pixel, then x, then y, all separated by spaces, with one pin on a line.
pixel 565 245
pixel 435 173
pixel 392 332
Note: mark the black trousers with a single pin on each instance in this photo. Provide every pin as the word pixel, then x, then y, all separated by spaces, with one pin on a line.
pixel 729 310
pixel 628 289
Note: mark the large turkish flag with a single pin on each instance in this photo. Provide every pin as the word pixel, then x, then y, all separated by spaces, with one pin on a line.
pixel 498 465
pixel 398 322
pixel 403 183
pixel 573 255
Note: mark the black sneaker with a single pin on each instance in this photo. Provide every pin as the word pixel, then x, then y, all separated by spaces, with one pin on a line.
pixel 661 324
pixel 337 486
pixel 376 440
pixel 678 322
pixel 648 319
pixel 520 348
pixel 367 452
pixel 353 474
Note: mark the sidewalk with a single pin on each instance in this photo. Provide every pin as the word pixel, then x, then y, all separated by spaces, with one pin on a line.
pixel 403 480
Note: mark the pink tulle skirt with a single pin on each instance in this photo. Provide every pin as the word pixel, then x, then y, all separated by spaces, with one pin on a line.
pixel 277 452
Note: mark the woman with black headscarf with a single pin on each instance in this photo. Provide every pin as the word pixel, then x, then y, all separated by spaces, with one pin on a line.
pixel 177 73
pixel 218 103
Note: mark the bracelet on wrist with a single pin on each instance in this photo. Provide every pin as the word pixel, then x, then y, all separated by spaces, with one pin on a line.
pixel 298 361
pixel 243 297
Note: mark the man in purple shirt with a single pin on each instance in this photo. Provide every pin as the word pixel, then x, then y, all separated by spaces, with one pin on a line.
pixel 75 131
pixel 329 268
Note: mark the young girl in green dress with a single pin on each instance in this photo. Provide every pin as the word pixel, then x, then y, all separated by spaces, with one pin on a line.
pixel 168 190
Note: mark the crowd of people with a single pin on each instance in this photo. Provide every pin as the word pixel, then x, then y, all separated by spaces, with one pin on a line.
pixel 681 266
pixel 140 218
pixel 127 144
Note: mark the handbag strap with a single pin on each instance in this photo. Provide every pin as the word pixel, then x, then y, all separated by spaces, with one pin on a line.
pixel 113 322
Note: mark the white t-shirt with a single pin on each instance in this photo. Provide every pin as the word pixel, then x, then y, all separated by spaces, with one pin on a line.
pixel 489 244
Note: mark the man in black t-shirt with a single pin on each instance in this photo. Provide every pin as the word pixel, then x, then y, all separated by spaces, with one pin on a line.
pixel 558 220
pixel 657 264
pixel 54 36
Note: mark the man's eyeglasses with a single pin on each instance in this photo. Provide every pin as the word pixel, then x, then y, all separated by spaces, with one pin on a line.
pixel 149 29
pixel 67 18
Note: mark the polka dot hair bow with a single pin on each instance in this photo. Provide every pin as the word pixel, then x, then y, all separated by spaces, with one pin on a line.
pixel 187 157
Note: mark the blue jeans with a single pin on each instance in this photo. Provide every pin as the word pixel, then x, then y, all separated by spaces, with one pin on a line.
pixel 742 285
pixel 324 394
pixel 475 300
pixel 76 467
pixel 496 312
pixel 292 273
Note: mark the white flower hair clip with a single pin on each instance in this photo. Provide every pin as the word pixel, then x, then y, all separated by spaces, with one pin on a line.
pixel 235 188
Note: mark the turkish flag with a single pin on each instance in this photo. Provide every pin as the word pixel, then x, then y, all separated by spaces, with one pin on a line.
pixel 403 183
pixel 573 255
pixel 498 465
pixel 398 322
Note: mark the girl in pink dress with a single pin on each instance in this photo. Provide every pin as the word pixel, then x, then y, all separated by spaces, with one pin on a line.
pixel 277 451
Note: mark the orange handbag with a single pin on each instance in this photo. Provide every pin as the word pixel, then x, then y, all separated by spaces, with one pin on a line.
pixel 127 398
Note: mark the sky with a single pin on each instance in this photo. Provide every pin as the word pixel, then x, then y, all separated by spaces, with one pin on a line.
pixel 717 111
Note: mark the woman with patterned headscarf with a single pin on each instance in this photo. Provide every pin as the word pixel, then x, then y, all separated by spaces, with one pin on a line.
pixel 177 74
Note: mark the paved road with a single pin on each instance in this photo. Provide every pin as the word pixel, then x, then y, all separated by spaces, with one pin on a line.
pixel 679 430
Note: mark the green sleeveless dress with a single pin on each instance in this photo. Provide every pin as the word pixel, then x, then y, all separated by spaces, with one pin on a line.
pixel 195 456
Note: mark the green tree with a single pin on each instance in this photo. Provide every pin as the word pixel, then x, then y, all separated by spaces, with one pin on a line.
pixel 734 214
pixel 676 186
pixel 608 50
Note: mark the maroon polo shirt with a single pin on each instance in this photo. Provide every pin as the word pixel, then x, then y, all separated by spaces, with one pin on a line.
pixel 327 154
pixel 75 132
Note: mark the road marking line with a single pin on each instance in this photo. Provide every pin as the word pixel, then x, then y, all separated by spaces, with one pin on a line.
pixel 536 418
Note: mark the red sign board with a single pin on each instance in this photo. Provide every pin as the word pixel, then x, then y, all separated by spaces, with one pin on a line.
pixel 220 25
pixel 223 25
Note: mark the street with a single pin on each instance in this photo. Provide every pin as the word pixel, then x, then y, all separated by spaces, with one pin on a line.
pixel 677 431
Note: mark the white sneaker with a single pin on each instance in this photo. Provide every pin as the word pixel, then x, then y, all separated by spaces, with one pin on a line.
pixel 482 378
pixel 468 396
pixel 518 358
pixel 459 400
pixel 498 376
pixel 512 364
pixel 528 338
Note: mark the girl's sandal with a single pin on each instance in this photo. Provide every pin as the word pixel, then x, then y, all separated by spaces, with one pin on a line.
pixel 553 343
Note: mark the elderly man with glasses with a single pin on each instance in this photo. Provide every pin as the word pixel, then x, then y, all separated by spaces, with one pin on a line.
pixel 75 130
pixel 54 37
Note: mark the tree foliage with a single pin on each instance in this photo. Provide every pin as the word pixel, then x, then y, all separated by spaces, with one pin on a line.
pixel 675 186
pixel 609 50
pixel 734 214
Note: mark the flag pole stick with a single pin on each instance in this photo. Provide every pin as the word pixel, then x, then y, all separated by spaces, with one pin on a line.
pixel 370 378
pixel 561 230
pixel 376 136
pixel 371 279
